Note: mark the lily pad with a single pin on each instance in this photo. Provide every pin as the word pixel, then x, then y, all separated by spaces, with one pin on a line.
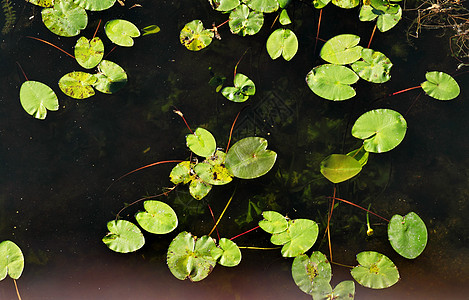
pixel 440 86
pixel 284 19
pixel 121 32
pixel 216 174
pixel 388 15
pixel 249 158
pixel 95 5
pixel 375 66
pixel 407 235
pixel 36 98
pixel 181 173
pixel 318 4
pixel 243 88
pixel 342 49
pixel 150 29
pixel 299 237
pixel 224 5
pixel 123 236
pixel 11 260
pixel 191 258
pixel 194 36
pixel 201 142
pixel 339 167
pixel 332 82
pixel 159 217
pixel 322 290
pixel 228 253
pixel 282 42
pixel 347 4
pixel 375 270
pixel 381 130
pixel 273 222
pixel 111 77
pixel 244 21
pixel 306 271
pixel 65 18
pixel 89 53
pixel 199 188
pixel 388 20
pixel 78 85
pixel 42 3
pixel 265 6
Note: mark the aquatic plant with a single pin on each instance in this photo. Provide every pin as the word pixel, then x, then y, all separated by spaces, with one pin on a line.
pixel 11 262
pixel 10 16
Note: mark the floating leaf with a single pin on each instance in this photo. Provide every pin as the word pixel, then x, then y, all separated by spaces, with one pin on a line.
pixel 42 3
pixel 282 42
pixel 375 270
pixel 440 86
pixel 298 238
pixel 65 18
pixel 322 290
pixel 265 6
pixel 181 173
pixel 347 4
pixel 224 5
pixel 199 188
pixel 151 29
pixel 189 257
pixel 332 82
pixel 389 20
pixel 243 88
pixel 36 98
pixel 89 53
pixel 360 154
pixel 273 222
pixel 230 255
pixel 283 3
pixel 388 15
pixel 244 21
pixel 318 4
pixel 216 174
pixel 111 77
pixel 340 167
pixel 201 142
pixel 95 5
pixel 342 49
pixel 375 66
pixel 121 32
pixel 248 158
pixel 407 235
pixel 11 260
pixel 194 36
pixel 159 217
pixel 306 271
pixel 284 19
pixel 78 85
pixel 123 236
pixel 381 129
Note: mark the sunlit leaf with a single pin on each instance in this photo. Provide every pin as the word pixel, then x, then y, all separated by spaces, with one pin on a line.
pixel 299 237
pixel 322 290
pixel 284 19
pixel 375 66
pixel 95 5
pixel 407 235
pixel 42 3
pixel 244 21
pixel 347 4
pixel 89 53
pixel 282 42
pixel 159 217
pixel 306 271
pixel 440 86
pixel 151 29
pixel 199 188
pixel 194 36
pixel 342 49
pixel 123 236
pixel 111 77
pixel 216 174
pixel 332 82
pixel 228 253
pixel 65 18
pixel 339 167
pixel 265 6
pixel 201 142
pixel 11 260
pixel 78 85
pixel 224 5
pixel 375 270
pixel 121 32
pixel 36 98
pixel 243 88
pixel 181 173
pixel 273 222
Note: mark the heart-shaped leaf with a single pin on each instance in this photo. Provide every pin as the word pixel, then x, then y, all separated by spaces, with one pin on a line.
pixel 243 88
pixel 150 29
pixel 332 82
pixel 228 253
pixel 95 5
pixel 318 4
pixel 299 237
pixel 201 142
pixel 216 174
pixel 111 77
pixel 375 270
pixel 282 42
pixel 375 66
pixel 322 290
pixel 244 21
pixel 181 173
pixel 273 222
pixel 36 98
pixel 265 6
pixel 65 18
pixel 123 236
pixel 340 167
pixel 199 188
pixel 194 36
pixel 342 49
pixel 159 217
pixel 306 271
pixel 440 86
pixel 78 85
pixel 407 235
pixel 11 260
pixel 121 32
pixel 89 53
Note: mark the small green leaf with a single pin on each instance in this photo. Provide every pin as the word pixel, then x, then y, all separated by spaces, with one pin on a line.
pixel 230 255
pixel 123 236
pixel 388 20
pixel 375 270
pixel 159 217
pixel 65 18
pixel 111 77
pixel 11 260
pixel 121 32
pixel 342 49
pixel 89 53
pixel 199 188
pixel 78 85
pixel 273 222
pixel 318 4
pixel 407 235
pixel 332 82
pixel 306 271
pixel 322 290
pixel 440 86
pixel 36 98
pixel 42 3
pixel 339 167
pixel 194 36
pixel 282 42
pixel 244 21
pixel 284 19
pixel 151 29
pixel 216 174
pixel 375 66
pixel 243 88
pixel 298 238
pixel 181 173
pixel 224 5
pixel 201 142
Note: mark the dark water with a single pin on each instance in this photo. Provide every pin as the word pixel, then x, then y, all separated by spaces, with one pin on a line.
pixel 54 173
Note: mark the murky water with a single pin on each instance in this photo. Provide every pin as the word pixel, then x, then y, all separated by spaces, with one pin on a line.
pixel 54 173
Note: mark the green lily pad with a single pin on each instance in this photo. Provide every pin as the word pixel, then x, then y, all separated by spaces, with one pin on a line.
pixel 368 13
pixel 389 20
pixel 299 237
pixel 123 236
pixel 306 271
pixel 228 253
pixel 347 4
pixel 332 82
pixel 244 21
pixel 440 86
pixel 194 36
pixel 381 130
pixel 264 6
pixel 42 3
pixel 36 98
pixel 111 77
pixel 216 174
pixel 388 14
pixel 283 3
pixel 150 29
pixel 78 85
pixel 318 4
pixel 11 260
pixel 201 142
pixel 407 235
pixel 181 173
pixel 284 19
pixel 159 217
pixel 89 53
pixel 249 158
pixel 199 188
pixel 95 5
pixel 65 18
pixel 375 270
pixel 224 5
pixel 322 290
pixel 273 222
pixel 243 88
pixel 375 66
pixel 360 154
pixel 339 167
pixel 191 258
pixel 342 49
pixel 121 32
pixel 282 42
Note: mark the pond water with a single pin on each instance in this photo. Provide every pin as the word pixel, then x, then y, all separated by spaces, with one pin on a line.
pixel 54 173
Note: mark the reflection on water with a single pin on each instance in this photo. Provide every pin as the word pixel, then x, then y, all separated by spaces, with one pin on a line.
pixel 54 173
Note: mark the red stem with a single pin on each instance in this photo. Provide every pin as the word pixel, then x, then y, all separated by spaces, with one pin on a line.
pixel 24 74
pixel 244 233
pixel 110 52
pixel 223 23
pixel 371 38
pixel 179 113
pixel 214 221
pixel 46 42
pixel 353 204
pixel 96 31
pixel 317 32
pixel 405 90
pixel 232 127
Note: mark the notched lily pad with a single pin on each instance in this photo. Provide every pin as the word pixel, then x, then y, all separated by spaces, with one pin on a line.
pixel 11 260
pixel 199 188
pixel 339 167
pixel 230 254
pixel 375 270
pixel 440 86
pixel 158 217
pixel 282 42
pixel 36 98
pixel 332 82
pixel 201 142
pixel 273 222
pixel 111 77
pixel 407 235
pixel 78 85
pixel 89 53
pixel 123 236
pixel 342 49
pixel 244 21
pixel 298 238
pixel 306 271
pixel 375 66
pixel 121 32
pixel 243 88
pixel 181 173
pixel 65 18
pixel 194 36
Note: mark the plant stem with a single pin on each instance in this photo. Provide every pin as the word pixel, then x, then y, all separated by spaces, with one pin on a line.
pixel 371 38
pixel 259 248
pixel 213 217
pixel 48 43
pixel 356 205
pixel 232 127
pixel 96 31
pixel 17 291
pixel 218 26
pixel 179 113
pixel 342 265
pixel 145 198
pixel 328 222
pixel 110 52
pixel 222 213
pixel 317 32
pixel 22 71
pixel 244 233
pixel 236 66
pixel 405 90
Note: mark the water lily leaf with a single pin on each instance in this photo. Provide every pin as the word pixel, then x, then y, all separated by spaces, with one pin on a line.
pixel 299 237
pixel 322 290
pixel 389 20
pixel 440 86
pixel 151 29
pixel 283 3
pixel 360 154
pixel 95 5
pixel 375 66
pixel 243 88
pixel 342 49
pixel 201 142
pixel 189 257
pixel 249 158
pixel 244 21
pixel 78 85
pixel 215 174
pixel 89 53
pixel 381 129
pixel 65 18
pixel 306 271
pixel 111 77
pixel 228 253
pixel 282 42
pixel 346 3
pixel 339 167
pixel 42 3
pixel 194 36
pixel 181 173
pixel 407 235
pixel 318 4
pixel 375 270
pixel 36 98
pixel 199 188
pixel 11 260
pixel 159 217
pixel 284 19
pixel 384 6
pixel 224 5
pixel 121 32
pixel 332 82
pixel 123 236
pixel 368 13
pixel 273 222
pixel 265 6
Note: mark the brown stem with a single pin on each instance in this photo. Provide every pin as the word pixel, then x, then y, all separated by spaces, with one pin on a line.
pixel 110 52
pixel 317 32
pixel 328 222
pixel 356 205
pixel 179 113
pixel 24 74
pixel 96 31
pixel 223 23
pixel 17 291
pixel 371 38
pixel 232 127
pixel 50 44
pixel 145 198
pixel 215 222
